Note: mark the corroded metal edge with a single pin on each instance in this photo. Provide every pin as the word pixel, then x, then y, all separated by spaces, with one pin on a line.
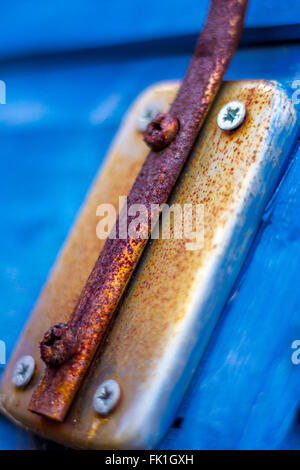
pixel 152 349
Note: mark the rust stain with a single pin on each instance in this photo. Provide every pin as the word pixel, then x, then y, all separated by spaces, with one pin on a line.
pixel 99 298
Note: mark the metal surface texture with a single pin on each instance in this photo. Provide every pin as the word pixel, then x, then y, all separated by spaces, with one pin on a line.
pixel 176 296
pixel 118 258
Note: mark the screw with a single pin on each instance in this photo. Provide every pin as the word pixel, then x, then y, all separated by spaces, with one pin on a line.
pixel 161 131
pixel 59 344
pixel 23 371
pixel 106 397
pixel 146 116
pixel 231 115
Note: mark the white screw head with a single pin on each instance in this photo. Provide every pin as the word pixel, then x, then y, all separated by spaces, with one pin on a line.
pixel 146 116
pixel 23 371
pixel 106 397
pixel 231 115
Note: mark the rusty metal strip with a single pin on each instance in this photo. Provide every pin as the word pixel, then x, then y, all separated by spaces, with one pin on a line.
pixel 107 281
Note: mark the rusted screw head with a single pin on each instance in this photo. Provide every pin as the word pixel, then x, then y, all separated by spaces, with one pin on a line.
pixel 231 115
pixel 23 371
pixel 106 397
pixel 161 131
pixel 59 344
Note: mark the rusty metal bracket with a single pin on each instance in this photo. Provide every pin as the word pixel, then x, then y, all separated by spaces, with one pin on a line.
pixel 114 267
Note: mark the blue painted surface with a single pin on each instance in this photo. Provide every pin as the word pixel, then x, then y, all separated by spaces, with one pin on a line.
pixel 61 114
pixel 34 26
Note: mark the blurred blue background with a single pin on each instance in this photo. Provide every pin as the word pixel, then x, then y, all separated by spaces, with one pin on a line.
pixel 71 70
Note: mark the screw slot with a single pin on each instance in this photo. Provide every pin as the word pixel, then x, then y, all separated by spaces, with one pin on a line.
pixel 59 344
pixel 231 115
pixel 23 371
pixel 106 397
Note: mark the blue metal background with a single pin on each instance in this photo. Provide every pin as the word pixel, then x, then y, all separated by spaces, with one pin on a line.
pixel 71 71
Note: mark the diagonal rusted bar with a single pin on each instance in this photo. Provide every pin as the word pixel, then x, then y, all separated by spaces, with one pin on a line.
pixel 107 281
